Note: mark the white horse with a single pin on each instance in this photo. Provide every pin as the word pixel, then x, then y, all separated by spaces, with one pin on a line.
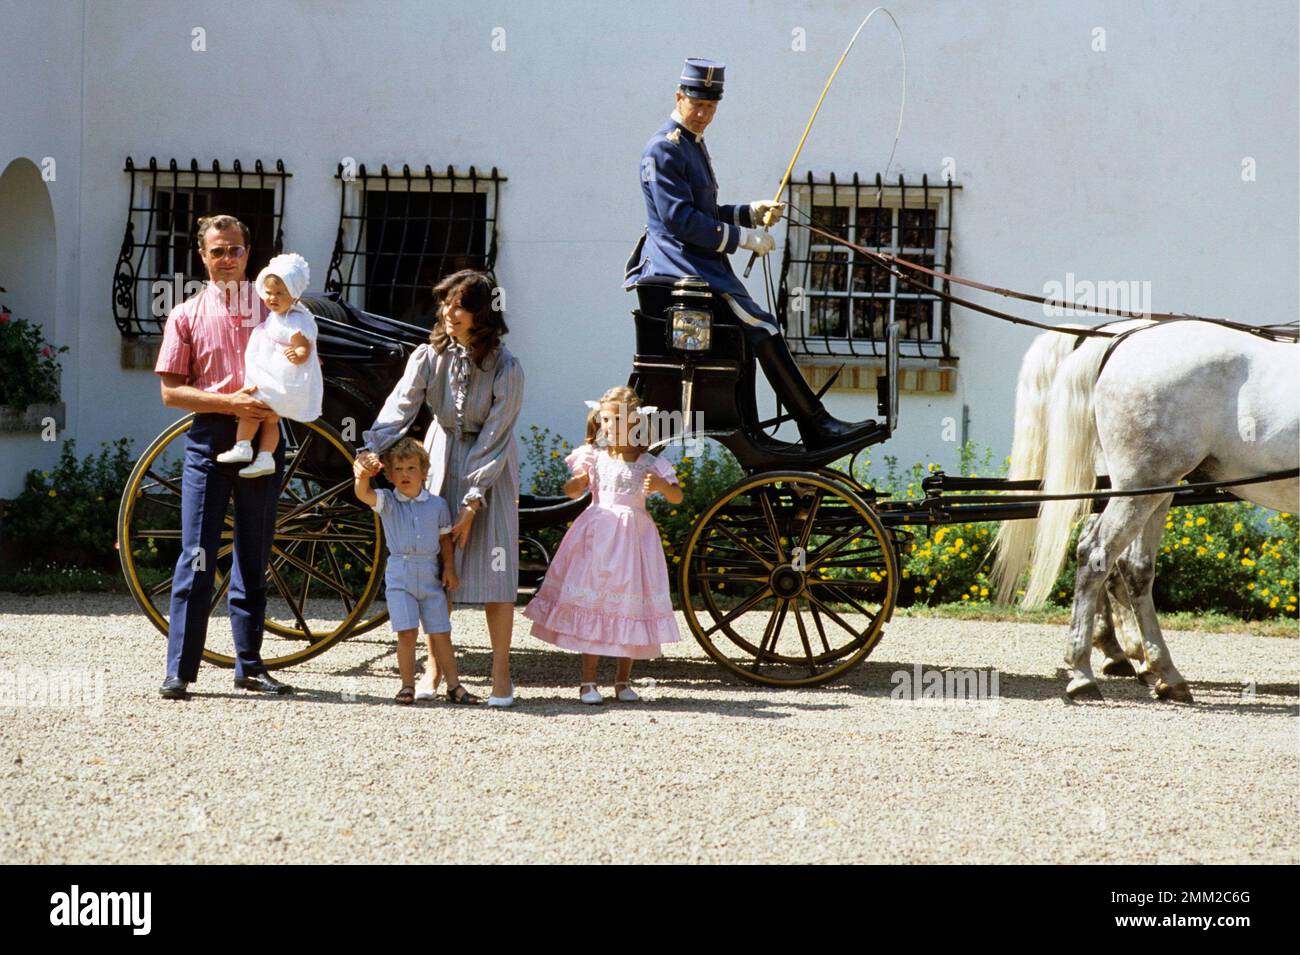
pixel 1172 399
pixel 1116 618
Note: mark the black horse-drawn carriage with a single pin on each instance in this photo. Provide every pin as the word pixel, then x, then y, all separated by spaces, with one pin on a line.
pixel 787 578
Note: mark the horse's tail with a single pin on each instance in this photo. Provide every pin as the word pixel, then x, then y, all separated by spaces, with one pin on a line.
pixel 1069 465
pixel 1015 539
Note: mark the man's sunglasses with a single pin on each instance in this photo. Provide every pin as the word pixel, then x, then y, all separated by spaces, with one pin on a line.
pixel 226 251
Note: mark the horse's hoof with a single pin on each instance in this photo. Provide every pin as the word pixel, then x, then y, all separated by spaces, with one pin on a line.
pixel 1121 667
pixel 1182 693
pixel 1149 678
pixel 1083 691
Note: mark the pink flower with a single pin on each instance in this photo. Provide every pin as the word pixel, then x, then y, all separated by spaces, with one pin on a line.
pixel 46 351
pixel 4 316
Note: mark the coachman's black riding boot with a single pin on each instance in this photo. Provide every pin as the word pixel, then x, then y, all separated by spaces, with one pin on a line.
pixel 816 426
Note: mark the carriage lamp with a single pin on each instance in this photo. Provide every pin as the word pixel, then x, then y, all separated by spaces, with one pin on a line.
pixel 690 317
pixel 691 328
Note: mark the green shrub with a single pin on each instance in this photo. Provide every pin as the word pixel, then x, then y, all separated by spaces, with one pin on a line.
pixel 31 370
pixel 1228 558
pixel 67 516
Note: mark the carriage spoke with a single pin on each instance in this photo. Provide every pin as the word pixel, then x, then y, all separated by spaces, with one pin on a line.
pixel 168 483
pixel 219 593
pixel 739 609
pixel 810 520
pixel 841 595
pixel 821 629
pixel 744 545
pixel 282 587
pixel 309 572
pixel 770 518
pixel 165 587
pixel 298 457
pixel 770 633
pixel 299 509
pixel 348 602
pixel 803 638
pixel 814 601
pixel 828 550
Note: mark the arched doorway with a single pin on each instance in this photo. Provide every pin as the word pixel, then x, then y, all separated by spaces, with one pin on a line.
pixel 27 252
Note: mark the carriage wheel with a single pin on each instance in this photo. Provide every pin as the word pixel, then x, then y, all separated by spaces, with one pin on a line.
pixel 325 567
pixel 787 579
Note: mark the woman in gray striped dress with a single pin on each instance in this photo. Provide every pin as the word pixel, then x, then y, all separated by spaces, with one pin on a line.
pixel 475 387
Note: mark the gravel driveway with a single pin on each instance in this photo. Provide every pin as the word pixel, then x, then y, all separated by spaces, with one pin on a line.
pixel 703 771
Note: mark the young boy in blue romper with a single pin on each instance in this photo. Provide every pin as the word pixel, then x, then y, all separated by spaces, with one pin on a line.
pixel 421 562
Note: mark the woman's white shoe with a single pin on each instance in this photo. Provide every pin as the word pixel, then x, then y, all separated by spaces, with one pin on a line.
pixel 262 465
pixel 627 694
pixel 241 453
pixel 589 695
pixel 503 702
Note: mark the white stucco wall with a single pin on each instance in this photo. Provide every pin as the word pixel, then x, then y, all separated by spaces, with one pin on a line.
pixel 1115 165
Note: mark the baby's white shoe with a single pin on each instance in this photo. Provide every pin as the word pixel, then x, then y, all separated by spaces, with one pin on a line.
pixel 626 694
pixel 263 464
pixel 241 453
pixel 591 695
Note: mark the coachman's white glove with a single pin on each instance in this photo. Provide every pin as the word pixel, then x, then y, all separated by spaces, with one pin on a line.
pixel 758 241
pixel 765 212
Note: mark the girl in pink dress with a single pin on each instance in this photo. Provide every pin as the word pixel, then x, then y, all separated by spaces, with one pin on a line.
pixel 606 591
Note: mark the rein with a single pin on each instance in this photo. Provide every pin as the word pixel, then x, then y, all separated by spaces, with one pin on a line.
pixel 888 261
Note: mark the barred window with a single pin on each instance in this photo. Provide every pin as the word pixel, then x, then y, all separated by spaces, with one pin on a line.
pixel 400 233
pixel 159 258
pixel 834 300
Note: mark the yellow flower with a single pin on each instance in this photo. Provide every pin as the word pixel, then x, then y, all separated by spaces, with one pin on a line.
pixel 1185 541
pixel 1237 526
pixel 984 591
pixel 53 493
pixel 965 596
pixel 1220 555
pixel 1200 521
pixel 1247 562
pixel 916 590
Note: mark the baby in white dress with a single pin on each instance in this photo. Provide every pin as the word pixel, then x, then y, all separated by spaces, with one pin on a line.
pixel 281 362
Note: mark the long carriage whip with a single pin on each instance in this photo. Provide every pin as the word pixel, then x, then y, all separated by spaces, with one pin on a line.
pixel 789 170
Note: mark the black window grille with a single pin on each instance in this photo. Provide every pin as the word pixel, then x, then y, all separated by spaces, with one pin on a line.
pixel 833 300
pixel 399 233
pixel 159 258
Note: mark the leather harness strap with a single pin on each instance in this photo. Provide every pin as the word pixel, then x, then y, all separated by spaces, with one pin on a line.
pixel 1277 333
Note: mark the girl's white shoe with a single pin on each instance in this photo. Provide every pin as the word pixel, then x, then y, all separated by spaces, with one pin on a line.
pixel 241 453
pixel 424 689
pixel 262 465
pixel 591 695
pixel 627 694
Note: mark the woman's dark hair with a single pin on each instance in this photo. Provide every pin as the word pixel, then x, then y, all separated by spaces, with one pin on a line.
pixel 475 292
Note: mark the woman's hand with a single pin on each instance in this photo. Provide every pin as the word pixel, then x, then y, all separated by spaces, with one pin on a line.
pixel 369 464
pixel 460 530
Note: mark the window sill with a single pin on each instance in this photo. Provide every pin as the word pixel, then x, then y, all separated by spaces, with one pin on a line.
pixel 932 376
pixel 33 419
pixel 140 352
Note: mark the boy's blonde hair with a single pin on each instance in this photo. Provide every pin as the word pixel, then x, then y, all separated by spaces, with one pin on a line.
pixel 407 447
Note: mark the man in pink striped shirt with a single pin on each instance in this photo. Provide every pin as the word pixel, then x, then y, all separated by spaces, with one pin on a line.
pixel 201 364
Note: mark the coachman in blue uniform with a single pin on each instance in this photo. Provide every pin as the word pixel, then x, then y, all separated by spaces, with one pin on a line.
pixel 688 233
